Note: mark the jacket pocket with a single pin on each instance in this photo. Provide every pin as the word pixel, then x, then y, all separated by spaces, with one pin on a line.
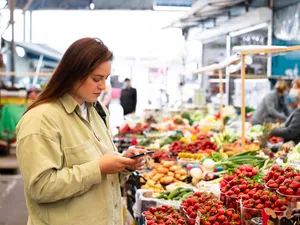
pixel 81 153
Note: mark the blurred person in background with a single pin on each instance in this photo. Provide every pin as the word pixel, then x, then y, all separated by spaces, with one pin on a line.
pixel 272 108
pixel 128 98
pixel 292 97
pixel 291 129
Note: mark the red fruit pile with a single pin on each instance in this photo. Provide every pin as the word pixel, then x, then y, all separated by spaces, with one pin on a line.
pixel 265 199
pixel 162 155
pixel 203 137
pixel 177 147
pixel 212 211
pixel 291 186
pixel 247 171
pixel 200 146
pixel 165 215
pixel 275 140
pixel 277 176
pixel 244 190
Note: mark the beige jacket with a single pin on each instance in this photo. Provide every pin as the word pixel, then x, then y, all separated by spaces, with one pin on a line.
pixel 58 152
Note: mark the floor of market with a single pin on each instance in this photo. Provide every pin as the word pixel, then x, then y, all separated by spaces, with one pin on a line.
pixel 12 201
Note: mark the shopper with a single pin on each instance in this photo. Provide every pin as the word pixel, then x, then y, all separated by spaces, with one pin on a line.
pixel 70 166
pixel 272 108
pixel 128 98
pixel 291 129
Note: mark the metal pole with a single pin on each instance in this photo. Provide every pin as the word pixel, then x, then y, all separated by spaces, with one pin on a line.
pixel 228 53
pixel 30 26
pixel 38 69
pixel 24 27
pixel 13 48
pixel 269 62
pixel 243 109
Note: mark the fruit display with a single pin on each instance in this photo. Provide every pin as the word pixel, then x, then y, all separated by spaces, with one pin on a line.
pixel 187 155
pixel 164 214
pixel 159 156
pixel 136 128
pixel 252 208
pixel 210 210
pixel 277 176
pixel 166 172
pixel 290 187
pixel 199 146
pixel 178 194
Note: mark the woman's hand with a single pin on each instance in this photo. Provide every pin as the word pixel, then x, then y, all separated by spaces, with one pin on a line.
pixel 138 162
pixel 112 163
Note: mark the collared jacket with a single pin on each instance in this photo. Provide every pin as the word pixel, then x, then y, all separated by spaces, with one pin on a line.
pixel 58 153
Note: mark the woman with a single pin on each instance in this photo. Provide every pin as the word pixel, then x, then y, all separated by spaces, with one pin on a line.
pixel 291 129
pixel 272 107
pixel 70 166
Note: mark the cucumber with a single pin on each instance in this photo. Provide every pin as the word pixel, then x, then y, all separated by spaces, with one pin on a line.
pixel 186 195
pixel 174 193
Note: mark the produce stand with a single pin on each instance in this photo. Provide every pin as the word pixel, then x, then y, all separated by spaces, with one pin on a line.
pixel 254 50
pixel 191 168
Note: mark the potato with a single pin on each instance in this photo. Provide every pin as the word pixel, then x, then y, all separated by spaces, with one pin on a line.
pixel 162 170
pixel 183 177
pixel 181 172
pixel 144 187
pixel 151 183
pixel 174 168
pixel 156 177
pixel 167 180
pixel 168 164
pixel 177 175
pixel 170 174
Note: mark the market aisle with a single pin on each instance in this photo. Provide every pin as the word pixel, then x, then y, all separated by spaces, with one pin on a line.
pixel 12 202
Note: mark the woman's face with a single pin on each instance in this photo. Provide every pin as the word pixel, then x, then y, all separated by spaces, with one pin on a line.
pixel 91 88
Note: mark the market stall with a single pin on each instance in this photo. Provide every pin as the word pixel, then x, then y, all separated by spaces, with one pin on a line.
pixel 200 174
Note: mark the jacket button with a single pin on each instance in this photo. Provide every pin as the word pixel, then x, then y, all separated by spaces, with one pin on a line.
pixel 116 206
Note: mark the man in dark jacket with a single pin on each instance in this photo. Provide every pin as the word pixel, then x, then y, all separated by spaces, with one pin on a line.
pixel 291 129
pixel 128 98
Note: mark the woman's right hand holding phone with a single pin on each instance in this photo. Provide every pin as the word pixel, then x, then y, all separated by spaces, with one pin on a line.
pixel 112 163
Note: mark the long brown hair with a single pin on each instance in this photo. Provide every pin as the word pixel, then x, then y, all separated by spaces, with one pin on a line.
pixel 80 60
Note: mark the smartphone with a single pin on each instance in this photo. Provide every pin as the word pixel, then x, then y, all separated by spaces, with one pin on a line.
pixel 142 154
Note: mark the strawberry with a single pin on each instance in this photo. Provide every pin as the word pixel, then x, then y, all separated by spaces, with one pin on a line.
pixel 276 175
pixel 235 217
pixel 287 181
pixel 264 198
pixel 290 191
pixel 295 185
pixel 212 219
pixel 273 185
pixel 221 218
pixel 282 189
pixel 273 198
pixel 298 192
pixel 267 204
pixel 280 179
pixel 278 203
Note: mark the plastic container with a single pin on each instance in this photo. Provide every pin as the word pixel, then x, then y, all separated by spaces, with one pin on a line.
pixel 270 189
pixel 291 199
pixel 232 202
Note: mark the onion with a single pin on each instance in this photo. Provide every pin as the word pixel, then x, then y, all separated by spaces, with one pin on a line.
pixel 209 164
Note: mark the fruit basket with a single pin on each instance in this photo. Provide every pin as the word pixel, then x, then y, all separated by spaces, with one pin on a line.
pixel 291 200
pixel 232 202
